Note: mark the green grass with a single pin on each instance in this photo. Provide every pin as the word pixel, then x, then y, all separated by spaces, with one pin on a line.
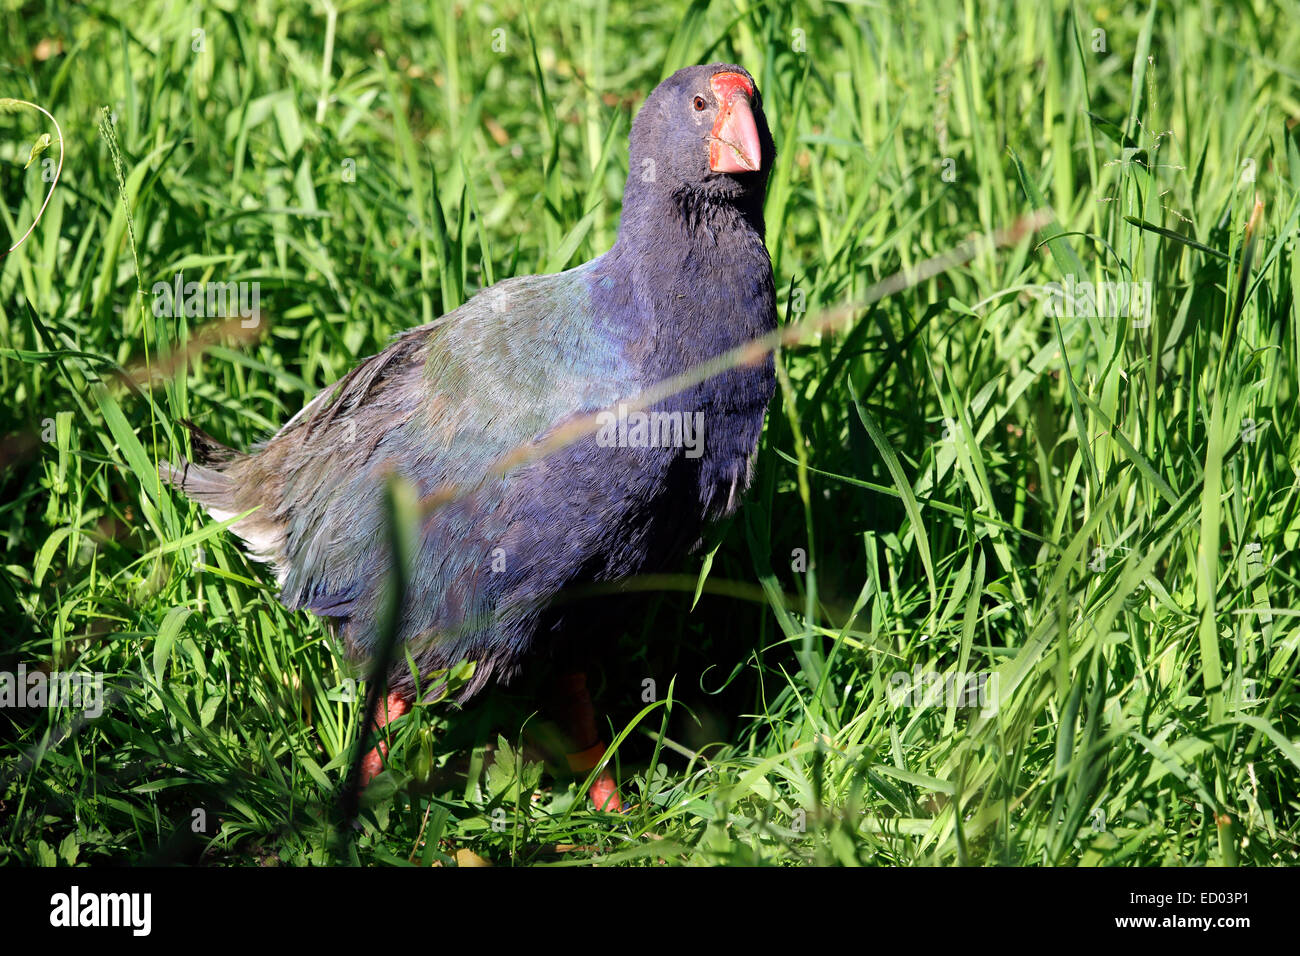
pixel 1101 518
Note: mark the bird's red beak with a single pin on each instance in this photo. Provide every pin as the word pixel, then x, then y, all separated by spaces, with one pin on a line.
pixel 733 145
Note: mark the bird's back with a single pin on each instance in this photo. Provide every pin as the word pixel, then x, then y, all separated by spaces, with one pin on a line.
pixel 443 406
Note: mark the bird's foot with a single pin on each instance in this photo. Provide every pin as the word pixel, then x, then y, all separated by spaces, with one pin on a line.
pixel 372 764
pixel 577 719
pixel 604 793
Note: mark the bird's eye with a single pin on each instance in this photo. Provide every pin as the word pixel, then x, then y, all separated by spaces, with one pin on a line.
pixel 699 103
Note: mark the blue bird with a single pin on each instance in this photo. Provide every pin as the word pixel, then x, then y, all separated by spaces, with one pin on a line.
pixel 688 278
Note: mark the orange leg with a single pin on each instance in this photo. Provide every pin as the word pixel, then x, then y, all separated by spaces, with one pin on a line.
pixel 373 763
pixel 578 721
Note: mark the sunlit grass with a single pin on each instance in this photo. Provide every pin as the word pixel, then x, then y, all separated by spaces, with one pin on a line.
pixel 1092 517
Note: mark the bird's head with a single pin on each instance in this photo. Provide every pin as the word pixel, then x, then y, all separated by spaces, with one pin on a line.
pixel 703 130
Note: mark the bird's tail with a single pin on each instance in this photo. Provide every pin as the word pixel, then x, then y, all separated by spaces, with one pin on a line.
pixel 203 479
pixel 218 481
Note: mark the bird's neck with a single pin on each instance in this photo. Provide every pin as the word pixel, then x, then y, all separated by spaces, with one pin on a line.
pixel 691 277
pixel 684 217
pixel 698 263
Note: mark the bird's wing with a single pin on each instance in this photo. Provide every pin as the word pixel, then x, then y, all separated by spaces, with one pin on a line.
pixel 440 406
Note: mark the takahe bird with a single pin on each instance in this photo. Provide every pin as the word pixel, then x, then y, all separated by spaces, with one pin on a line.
pixel 688 278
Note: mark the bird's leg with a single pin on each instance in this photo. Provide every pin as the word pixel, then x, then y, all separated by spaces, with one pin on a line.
pixel 392 707
pixel 577 720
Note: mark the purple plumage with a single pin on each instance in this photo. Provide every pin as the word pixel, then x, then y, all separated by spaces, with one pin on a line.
pixel 688 279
